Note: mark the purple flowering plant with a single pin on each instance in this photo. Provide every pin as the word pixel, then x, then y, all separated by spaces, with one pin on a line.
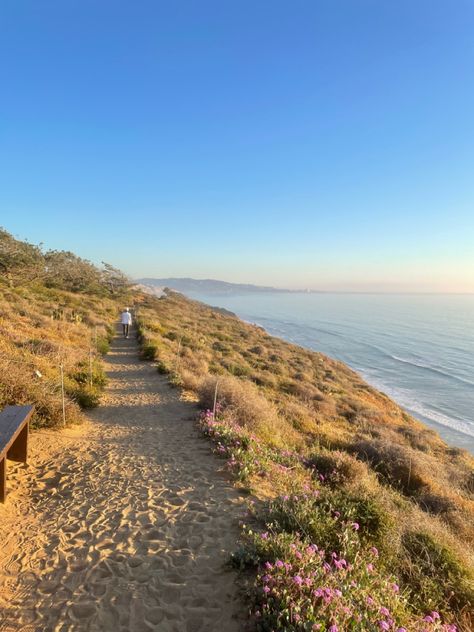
pixel 317 566
pixel 302 587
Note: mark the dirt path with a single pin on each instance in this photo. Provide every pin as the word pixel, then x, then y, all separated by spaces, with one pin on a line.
pixel 123 524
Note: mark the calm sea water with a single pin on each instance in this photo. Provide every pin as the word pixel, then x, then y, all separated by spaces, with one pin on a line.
pixel 418 349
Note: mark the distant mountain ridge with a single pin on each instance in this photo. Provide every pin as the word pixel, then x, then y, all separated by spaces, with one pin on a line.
pixel 206 286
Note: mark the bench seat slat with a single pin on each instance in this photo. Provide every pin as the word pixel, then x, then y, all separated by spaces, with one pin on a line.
pixel 12 420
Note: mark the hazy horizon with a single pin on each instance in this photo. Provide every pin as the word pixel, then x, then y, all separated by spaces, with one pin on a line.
pixel 300 288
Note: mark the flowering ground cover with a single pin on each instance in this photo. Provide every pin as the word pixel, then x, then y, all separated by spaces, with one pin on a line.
pixel 299 585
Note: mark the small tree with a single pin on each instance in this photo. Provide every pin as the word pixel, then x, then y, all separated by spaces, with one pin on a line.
pixel 69 272
pixel 114 280
pixel 20 262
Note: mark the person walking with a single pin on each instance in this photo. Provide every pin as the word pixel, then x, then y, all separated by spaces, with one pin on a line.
pixel 126 320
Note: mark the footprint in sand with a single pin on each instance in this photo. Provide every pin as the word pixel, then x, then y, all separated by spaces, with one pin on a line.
pixel 124 524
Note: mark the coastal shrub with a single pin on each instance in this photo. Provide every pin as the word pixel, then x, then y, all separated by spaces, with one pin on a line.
pixel 82 374
pixel 235 443
pixel 299 416
pixel 161 367
pixel 189 380
pixel 301 587
pixel 339 468
pixel 321 515
pixel 418 438
pixel 239 370
pixel 263 379
pixel 221 347
pixel 20 385
pixel 435 503
pixel 38 347
pixel 435 575
pixel 171 335
pixel 103 345
pixel 397 464
pixel 86 396
pixel 149 350
pixel 242 402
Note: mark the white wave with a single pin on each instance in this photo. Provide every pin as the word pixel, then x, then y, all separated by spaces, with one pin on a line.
pixel 434 369
pixel 417 408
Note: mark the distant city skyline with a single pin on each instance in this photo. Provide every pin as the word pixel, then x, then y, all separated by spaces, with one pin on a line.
pixel 322 145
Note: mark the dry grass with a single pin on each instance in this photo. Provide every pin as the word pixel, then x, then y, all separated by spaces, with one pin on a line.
pixel 42 328
pixel 289 396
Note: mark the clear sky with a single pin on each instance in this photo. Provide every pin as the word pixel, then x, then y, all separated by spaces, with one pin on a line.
pixel 318 143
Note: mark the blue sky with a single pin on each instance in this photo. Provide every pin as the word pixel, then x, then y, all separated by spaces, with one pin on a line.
pixel 319 143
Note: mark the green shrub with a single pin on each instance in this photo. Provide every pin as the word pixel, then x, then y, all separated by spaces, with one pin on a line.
pixel 437 578
pixel 395 463
pixel 103 345
pixel 171 335
pixel 87 397
pixel 162 368
pixel 322 518
pixel 149 350
pixel 239 370
pixel 337 467
pixel 83 375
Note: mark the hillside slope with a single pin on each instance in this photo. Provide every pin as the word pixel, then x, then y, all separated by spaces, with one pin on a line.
pixel 280 408
pixel 365 519
pixel 57 313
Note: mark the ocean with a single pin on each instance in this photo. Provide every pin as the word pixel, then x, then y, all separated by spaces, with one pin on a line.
pixel 418 349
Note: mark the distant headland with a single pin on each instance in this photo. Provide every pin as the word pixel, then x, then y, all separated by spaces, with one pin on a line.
pixel 207 286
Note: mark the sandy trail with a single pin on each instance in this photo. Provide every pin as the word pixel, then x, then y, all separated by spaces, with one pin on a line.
pixel 123 524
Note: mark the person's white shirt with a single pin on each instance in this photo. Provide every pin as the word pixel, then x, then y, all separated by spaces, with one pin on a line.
pixel 126 318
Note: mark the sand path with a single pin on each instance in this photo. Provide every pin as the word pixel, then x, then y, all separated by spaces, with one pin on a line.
pixel 123 524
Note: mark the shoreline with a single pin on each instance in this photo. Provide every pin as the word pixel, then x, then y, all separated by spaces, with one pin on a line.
pixel 449 435
pixel 452 436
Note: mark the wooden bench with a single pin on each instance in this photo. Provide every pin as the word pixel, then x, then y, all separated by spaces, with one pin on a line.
pixel 14 427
